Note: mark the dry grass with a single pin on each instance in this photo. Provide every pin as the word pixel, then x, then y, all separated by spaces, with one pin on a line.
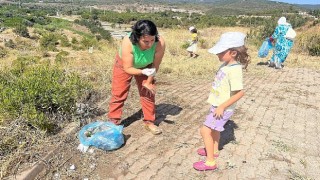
pixel 205 65
pixel 176 62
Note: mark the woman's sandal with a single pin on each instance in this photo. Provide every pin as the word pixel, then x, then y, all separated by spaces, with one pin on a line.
pixel 115 121
pixel 154 129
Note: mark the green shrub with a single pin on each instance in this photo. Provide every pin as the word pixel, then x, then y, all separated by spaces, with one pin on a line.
pixel 27 23
pixel 40 31
pixel 314 50
pixel 22 63
pixel 77 48
pixel 3 52
pixel 22 31
pixel 185 45
pixel 40 94
pixel 60 57
pixel 64 42
pixel 314 45
pixel 10 44
pixel 74 40
pixel 49 42
pixel 309 42
pixel 50 28
pixel 203 43
pixel 88 42
pixel 98 37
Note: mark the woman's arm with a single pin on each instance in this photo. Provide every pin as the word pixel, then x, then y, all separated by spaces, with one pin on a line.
pixel 127 57
pixel 161 47
pixel 236 96
pixel 156 63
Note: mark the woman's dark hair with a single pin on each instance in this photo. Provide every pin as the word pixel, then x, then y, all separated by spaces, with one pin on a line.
pixel 141 28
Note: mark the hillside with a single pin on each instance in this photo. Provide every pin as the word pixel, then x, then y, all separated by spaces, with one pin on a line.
pixel 308 6
pixel 218 7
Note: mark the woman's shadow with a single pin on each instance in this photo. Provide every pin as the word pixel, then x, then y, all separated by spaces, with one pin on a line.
pixel 162 111
pixel 227 135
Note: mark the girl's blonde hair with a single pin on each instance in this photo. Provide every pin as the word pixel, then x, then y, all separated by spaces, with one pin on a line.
pixel 242 56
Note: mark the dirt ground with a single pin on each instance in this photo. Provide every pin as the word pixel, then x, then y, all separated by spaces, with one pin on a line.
pixel 274 134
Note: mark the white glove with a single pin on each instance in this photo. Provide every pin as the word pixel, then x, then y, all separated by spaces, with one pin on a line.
pixel 149 71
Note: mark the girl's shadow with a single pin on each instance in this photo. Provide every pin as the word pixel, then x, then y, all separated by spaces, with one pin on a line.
pixel 227 135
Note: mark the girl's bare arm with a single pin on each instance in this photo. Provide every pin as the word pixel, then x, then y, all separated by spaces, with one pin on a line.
pixel 234 98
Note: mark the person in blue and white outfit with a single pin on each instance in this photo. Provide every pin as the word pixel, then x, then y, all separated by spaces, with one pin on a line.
pixel 283 44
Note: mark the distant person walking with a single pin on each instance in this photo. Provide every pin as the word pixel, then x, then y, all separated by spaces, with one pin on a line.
pixel 140 56
pixel 283 36
pixel 226 90
pixel 192 49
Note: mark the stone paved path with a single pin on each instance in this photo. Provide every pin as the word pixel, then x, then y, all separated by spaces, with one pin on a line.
pixel 274 134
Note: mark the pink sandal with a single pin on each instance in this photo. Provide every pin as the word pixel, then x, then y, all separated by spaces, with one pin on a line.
pixel 201 166
pixel 203 152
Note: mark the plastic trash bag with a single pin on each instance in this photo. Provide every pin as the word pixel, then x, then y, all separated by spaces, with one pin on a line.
pixel 103 135
pixel 265 48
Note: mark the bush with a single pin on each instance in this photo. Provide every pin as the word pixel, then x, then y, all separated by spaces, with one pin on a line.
pixel 74 40
pixel 309 41
pixel 64 42
pixel 88 42
pixel 27 22
pixel 185 45
pixel 3 52
pixel 77 48
pixel 314 50
pixel 60 57
pixel 203 43
pixel 50 28
pixel 314 46
pixel 21 63
pixel 10 44
pixel 49 42
pixel 41 95
pixel 22 31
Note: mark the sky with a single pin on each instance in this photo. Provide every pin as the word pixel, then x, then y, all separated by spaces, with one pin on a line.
pixel 300 1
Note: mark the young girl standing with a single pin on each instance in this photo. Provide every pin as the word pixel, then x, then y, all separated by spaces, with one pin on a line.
pixel 226 90
pixel 192 49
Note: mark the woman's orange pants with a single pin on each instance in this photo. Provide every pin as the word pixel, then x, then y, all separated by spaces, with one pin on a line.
pixel 120 89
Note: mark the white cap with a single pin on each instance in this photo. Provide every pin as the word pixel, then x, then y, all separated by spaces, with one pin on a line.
pixel 228 40
pixel 191 28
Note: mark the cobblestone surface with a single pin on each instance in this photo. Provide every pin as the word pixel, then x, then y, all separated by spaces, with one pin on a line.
pixel 274 134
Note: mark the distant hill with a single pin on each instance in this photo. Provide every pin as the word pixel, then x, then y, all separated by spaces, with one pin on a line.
pixel 236 7
pixel 309 6
pixel 221 7
pixel 215 7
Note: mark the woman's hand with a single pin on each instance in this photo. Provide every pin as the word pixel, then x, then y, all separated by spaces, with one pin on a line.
pixel 150 89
